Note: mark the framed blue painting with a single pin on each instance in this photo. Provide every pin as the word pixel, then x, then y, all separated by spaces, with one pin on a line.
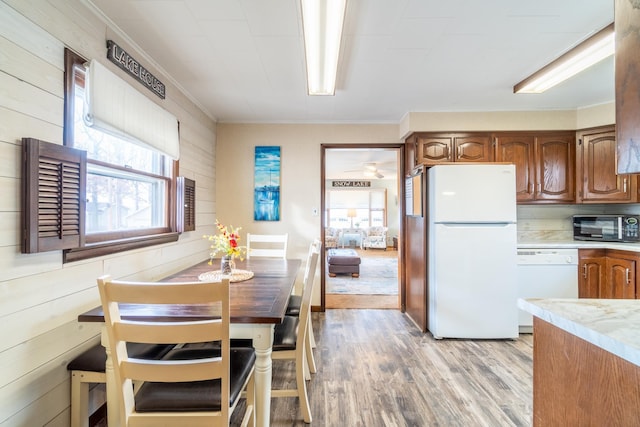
pixel 266 190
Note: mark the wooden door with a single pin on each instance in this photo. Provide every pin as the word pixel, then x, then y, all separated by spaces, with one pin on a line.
pixel 621 279
pixel 591 268
pixel 433 150
pixel 473 149
pixel 597 159
pixel 519 150
pixel 555 168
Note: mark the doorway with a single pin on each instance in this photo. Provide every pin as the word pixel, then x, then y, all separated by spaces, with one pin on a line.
pixel 361 198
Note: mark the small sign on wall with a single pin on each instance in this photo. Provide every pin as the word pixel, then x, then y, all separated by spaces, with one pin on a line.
pixel 351 184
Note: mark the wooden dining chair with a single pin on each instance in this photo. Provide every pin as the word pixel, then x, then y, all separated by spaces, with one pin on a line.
pixel 267 245
pixel 289 343
pixel 188 387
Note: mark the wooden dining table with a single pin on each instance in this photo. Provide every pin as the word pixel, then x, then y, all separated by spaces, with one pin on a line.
pixel 256 306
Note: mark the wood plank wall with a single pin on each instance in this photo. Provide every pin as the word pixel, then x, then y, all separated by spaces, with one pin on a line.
pixel 40 297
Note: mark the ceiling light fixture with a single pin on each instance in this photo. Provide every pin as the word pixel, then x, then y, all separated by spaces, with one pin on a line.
pixel 322 21
pixel 584 55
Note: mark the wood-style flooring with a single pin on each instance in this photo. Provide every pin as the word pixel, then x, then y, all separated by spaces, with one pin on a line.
pixel 376 369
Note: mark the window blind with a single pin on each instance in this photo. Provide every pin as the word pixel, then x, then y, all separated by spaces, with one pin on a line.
pixel 115 107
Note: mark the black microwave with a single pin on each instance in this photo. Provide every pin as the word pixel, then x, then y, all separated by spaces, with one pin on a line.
pixel 607 228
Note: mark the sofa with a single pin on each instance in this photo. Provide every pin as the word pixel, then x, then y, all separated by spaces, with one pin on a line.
pixel 376 238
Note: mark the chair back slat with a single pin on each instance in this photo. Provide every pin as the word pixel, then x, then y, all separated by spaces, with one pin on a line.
pixel 163 293
pixel 173 371
pixel 156 332
pixel 267 245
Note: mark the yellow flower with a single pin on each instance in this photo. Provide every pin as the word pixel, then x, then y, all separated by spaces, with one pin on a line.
pixel 225 243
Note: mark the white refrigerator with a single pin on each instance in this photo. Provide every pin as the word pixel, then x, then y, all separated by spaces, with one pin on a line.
pixel 472 251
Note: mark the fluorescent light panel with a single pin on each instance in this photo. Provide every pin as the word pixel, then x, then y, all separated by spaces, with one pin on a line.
pixel 589 52
pixel 322 21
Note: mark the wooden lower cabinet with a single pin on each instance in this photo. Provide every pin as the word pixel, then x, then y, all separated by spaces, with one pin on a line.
pixel 591 272
pixel 608 273
pixel 576 383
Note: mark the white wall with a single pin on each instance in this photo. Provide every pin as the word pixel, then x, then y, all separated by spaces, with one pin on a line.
pixel 300 176
pixel 40 298
pixel 582 118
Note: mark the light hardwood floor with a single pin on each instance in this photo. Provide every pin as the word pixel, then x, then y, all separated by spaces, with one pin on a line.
pixel 376 369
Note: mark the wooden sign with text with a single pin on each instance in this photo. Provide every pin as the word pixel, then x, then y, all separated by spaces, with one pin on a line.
pixel 122 59
pixel 351 184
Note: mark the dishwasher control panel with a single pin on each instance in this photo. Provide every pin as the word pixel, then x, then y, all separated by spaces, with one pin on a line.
pixel 547 256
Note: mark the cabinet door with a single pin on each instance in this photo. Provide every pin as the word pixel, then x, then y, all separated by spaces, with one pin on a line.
pixel 430 151
pixel 555 168
pixel 590 276
pixel 600 183
pixel 519 150
pixel 473 149
pixel 621 279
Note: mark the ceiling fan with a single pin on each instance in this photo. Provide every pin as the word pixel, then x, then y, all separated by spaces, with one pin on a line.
pixel 371 170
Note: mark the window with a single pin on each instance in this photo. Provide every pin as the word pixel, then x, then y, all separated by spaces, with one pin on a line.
pixel 129 187
pixel 356 208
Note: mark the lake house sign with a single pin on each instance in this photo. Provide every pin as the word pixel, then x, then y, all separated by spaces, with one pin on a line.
pixel 351 184
pixel 122 59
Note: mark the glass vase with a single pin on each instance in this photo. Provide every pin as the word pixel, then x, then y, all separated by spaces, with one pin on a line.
pixel 227 265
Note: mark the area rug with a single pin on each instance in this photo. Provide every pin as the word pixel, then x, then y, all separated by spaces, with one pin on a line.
pixel 378 276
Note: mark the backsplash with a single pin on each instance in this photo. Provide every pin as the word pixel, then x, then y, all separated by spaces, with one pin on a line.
pixel 553 222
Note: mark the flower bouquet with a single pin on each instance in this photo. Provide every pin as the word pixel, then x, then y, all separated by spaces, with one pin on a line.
pixel 225 243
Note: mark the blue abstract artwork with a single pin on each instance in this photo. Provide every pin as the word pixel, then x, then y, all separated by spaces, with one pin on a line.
pixel 266 190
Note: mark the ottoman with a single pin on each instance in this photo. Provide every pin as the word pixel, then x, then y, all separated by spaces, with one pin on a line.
pixel 343 261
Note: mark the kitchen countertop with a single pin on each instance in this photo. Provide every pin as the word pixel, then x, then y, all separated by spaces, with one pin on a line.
pixel 577 244
pixel 611 324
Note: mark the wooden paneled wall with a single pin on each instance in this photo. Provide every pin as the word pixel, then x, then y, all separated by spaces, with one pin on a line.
pixel 40 297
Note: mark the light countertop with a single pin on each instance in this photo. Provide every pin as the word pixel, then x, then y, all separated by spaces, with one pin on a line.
pixel 577 244
pixel 611 324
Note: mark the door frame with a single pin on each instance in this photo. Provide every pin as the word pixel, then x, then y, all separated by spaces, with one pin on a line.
pixel 400 147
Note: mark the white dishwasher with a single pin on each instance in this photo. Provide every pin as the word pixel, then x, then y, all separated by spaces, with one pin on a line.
pixel 545 273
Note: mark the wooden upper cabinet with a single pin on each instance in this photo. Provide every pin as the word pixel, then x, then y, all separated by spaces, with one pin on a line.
pixel 434 148
pixel 473 149
pixel 519 150
pixel 555 163
pixel 545 164
pixel 597 179
pixel 627 63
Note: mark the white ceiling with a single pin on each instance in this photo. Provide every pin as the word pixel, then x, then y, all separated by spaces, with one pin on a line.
pixel 243 60
pixel 357 164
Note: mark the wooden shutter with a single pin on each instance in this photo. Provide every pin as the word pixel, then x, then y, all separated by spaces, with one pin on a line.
pixel 54 183
pixel 186 204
